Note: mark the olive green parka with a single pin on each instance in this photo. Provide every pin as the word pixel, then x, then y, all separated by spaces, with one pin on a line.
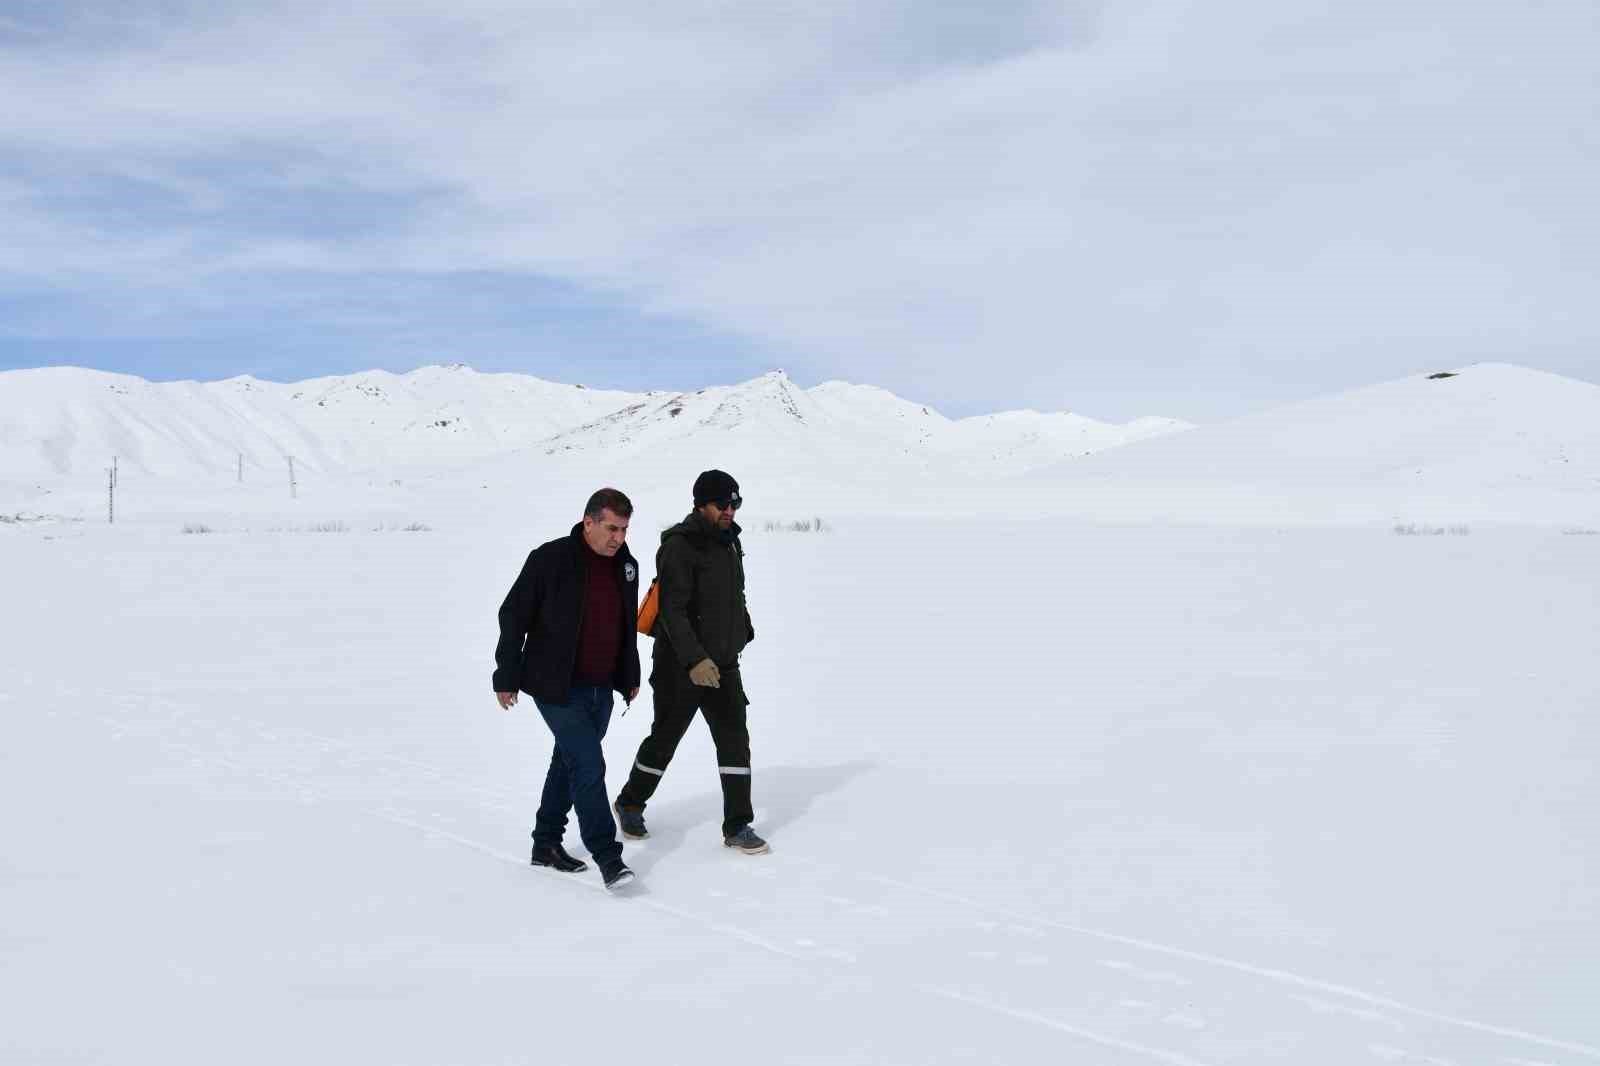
pixel 703 613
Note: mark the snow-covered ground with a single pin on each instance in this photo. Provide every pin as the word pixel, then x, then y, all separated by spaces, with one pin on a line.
pixel 1040 789
pixel 1037 793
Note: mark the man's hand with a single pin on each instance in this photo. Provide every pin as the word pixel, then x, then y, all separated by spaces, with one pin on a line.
pixel 507 700
pixel 705 674
pixel 629 698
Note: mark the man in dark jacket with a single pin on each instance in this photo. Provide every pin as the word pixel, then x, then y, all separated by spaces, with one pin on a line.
pixel 568 639
pixel 702 627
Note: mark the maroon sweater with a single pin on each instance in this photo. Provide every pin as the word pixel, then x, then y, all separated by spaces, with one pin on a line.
pixel 600 639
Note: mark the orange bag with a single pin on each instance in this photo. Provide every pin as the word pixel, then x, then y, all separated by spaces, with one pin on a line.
pixel 649 609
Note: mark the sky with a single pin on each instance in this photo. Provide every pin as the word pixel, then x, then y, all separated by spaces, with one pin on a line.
pixel 1148 207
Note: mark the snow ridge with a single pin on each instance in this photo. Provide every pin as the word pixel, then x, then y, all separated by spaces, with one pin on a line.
pixel 66 421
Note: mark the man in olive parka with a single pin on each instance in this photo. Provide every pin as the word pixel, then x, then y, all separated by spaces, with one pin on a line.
pixel 702 625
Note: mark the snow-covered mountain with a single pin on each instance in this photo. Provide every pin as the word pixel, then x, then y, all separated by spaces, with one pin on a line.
pixel 60 422
pixel 1489 425
pixel 1486 442
pixel 1490 441
pixel 1025 440
pixel 1008 442
pixel 839 431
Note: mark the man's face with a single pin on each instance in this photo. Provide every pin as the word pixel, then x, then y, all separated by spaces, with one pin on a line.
pixel 605 535
pixel 720 512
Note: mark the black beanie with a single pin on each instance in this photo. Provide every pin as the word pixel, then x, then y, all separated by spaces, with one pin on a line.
pixel 714 485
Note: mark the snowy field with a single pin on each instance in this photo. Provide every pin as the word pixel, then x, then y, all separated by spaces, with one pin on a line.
pixel 1038 792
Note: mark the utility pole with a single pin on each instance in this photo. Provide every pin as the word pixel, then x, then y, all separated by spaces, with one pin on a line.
pixel 111 495
pixel 293 489
pixel 241 468
pixel 113 470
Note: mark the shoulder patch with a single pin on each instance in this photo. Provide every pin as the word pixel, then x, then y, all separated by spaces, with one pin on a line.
pixel 630 572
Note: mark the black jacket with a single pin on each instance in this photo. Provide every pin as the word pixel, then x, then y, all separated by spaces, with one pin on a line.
pixel 543 613
pixel 703 611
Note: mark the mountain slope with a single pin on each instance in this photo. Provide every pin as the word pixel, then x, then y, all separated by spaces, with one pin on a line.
pixel 1487 425
pixel 849 432
pixel 1490 441
pixel 61 421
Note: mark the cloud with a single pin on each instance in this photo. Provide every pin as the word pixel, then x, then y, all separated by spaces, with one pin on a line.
pixel 1065 204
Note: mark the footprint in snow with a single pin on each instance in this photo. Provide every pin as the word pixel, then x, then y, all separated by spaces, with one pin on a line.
pixel 1158 977
pixel 857 907
pixel 1323 1006
pixel 1394 1054
pixel 1027 931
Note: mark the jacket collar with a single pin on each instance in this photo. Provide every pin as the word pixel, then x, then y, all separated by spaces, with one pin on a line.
pixel 696 525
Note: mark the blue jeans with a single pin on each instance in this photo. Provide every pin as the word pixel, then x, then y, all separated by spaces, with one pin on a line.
pixel 577 775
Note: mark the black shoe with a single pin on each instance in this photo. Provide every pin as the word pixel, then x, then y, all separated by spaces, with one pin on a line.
pixel 556 857
pixel 631 821
pixel 746 841
pixel 616 874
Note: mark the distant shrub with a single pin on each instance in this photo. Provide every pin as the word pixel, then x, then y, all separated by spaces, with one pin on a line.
pixel 21 518
pixel 196 527
pixel 800 525
pixel 1411 529
pixel 315 527
pixel 1581 531
pixel 395 527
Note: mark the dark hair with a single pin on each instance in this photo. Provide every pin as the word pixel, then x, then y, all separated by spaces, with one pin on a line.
pixel 608 500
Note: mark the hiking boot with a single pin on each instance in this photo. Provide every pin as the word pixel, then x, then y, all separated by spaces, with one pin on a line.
pixel 631 821
pixel 746 841
pixel 556 857
pixel 616 874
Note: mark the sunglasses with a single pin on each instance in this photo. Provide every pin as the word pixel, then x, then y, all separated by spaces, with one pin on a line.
pixel 729 503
